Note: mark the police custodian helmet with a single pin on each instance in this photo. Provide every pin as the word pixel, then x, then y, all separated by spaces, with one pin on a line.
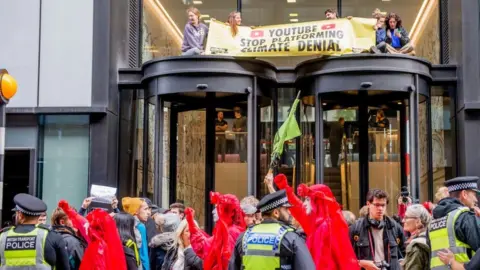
pixel 29 205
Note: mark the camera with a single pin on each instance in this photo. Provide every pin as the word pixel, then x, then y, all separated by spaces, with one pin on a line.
pixel 405 194
pixel 383 265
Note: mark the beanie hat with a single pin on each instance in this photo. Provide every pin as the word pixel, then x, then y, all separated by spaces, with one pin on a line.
pixel 131 205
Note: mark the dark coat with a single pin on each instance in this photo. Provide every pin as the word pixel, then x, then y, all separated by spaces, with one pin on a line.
pixel 393 238
pixel 75 245
pixel 130 258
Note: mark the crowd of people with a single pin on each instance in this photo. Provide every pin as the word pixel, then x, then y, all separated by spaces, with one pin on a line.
pixel 284 230
pixel 391 36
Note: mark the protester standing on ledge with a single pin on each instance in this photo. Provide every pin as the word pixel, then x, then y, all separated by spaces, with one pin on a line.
pixel 29 245
pixel 194 34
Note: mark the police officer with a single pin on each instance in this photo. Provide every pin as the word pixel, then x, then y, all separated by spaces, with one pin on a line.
pixel 272 244
pixel 455 225
pixel 29 245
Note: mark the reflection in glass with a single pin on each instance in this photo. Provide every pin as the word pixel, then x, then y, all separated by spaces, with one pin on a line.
pixel 286 97
pixel 307 150
pixel 442 137
pixel 65 159
pixel 165 180
pixel 384 153
pixel 151 148
pixel 340 142
pixel 139 148
pixel 231 151
pixel 266 140
pixel 191 161
pixel 423 150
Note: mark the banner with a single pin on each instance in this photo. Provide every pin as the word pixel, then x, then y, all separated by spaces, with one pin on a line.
pixel 330 37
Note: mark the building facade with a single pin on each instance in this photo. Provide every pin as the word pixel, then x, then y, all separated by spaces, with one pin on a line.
pixel 104 98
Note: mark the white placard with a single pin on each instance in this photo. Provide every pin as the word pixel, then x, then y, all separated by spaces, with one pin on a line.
pixel 103 193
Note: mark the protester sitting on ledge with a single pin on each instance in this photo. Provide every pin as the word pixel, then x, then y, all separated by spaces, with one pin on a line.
pixel 381 33
pixel 194 34
pixel 234 20
pixel 331 14
pixel 397 40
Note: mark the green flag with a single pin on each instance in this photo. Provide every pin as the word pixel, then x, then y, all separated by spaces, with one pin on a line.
pixel 287 131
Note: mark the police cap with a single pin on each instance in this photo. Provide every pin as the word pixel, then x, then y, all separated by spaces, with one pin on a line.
pixel 462 183
pixel 29 205
pixel 273 200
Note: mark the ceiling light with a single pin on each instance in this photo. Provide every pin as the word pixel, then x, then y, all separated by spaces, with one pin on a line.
pixel 324 104
pixel 204 16
pixel 293 14
pixel 399 103
pixel 294 20
pixel 196 2
pixel 291 1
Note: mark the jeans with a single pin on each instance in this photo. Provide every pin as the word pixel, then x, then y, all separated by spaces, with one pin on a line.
pixel 220 147
pixel 240 146
pixel 192 51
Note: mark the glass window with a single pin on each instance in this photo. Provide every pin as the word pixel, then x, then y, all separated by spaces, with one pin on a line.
pixel 165 184
pixel 307 139
pixel 286 97
pixel 191 161
pixel 419 18
pixel 423 150
pixel 151 147
pixel 138 158
pixel 64 159
pixel 269 12
pixel 267 133
pixel 164 22
pixel 231 149
pixel 442 137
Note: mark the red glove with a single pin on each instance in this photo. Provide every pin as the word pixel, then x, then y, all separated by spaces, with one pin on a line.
pixel 189 215
pixel 281 181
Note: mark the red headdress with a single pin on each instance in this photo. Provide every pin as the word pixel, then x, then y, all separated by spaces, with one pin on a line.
pixel 229 226
pixel 105 250
pixel 79 222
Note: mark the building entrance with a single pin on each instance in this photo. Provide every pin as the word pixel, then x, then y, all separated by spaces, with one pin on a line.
pixel 365 143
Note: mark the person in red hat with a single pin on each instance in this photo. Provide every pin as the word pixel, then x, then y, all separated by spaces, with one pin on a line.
pixel 322 220
pixel 215 251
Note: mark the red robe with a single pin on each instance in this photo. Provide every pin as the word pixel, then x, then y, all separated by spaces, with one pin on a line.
pixel 216 250
pixel 327 236
pixel 78 222
pixel 105 251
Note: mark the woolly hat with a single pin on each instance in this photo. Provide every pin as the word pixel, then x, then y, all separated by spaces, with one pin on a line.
pixel 131 205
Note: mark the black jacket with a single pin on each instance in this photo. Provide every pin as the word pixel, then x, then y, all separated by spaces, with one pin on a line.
pixel 192 261
pixel 130 258
pixel 393 238
pixel 151 229
pixel 75 245
pixel 293 252
pixel 474 264
pixel 467 226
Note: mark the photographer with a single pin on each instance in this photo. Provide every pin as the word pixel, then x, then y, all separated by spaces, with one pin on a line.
pixel 404 201
pixel 378 240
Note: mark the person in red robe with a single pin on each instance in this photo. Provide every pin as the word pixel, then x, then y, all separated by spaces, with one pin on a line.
pixel 216 250
pixel 320 216
pixel 78 221
pixel 105 251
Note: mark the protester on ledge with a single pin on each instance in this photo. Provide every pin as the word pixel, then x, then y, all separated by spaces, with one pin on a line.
pixel 397 40
pixel 331 14
pixel 234 20
pixel 194 34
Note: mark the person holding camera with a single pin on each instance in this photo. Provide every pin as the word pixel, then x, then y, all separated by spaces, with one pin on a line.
pixel 378 240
